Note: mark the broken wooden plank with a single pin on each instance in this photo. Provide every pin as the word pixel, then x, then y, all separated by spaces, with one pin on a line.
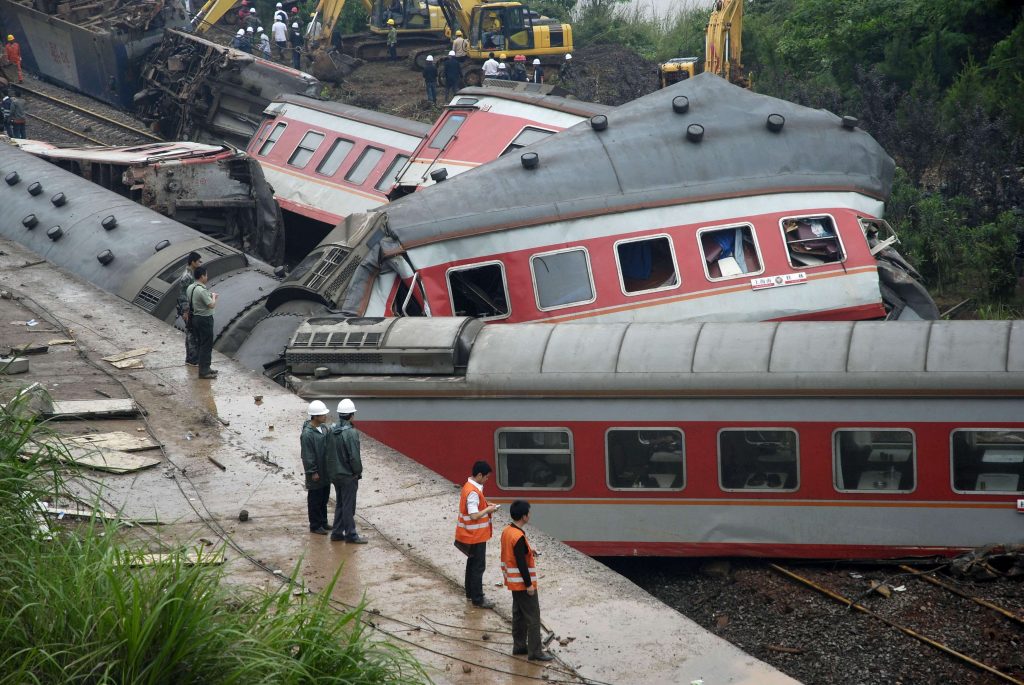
pixel 135 363
pixel 92 409
pixel 111 461
pixel 116 440
pixel 191 557
pixel 128 355
pixel 29 348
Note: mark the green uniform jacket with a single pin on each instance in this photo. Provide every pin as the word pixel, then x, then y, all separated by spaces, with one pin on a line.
pixel 392 36
pixel 314 451
pixel 343 451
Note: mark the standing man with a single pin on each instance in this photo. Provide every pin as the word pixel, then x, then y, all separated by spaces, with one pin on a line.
pixel 567 72
pixel 520 571
pixel 279 13
pixel 538 71
pixel 392 41
pixel 264 45
pixel 13 51
pixel 313 444
pixel 279 32
pixel 461 47
pixel 452 76
pixel 473 529
pixel 238 40
pixel 186 279
pixel 201 303
pixel 5 114
pixel 345 467
pixel 252 21
pixel 17 114
pixel 297 41
pixel 491 67
pixel 430 78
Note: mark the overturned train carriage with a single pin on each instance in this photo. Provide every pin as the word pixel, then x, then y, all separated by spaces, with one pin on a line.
pixel 698 201
pixel 800 439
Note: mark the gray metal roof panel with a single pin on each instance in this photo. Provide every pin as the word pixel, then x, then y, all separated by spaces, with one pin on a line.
pixel 970 346
pixel 431 332
pixel 798 347
pixel 554 102
pixel 883 346
pixel 734 348
pixel 643 158
pixel 573 349
pixel 369 116
pixel 509 349
pixel 1015 355
pixel 659 348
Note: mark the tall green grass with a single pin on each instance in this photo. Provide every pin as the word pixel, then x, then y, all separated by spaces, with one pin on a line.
pixel 72 610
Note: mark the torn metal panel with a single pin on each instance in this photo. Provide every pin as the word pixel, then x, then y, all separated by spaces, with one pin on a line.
pixel 212 188
pixel 197 90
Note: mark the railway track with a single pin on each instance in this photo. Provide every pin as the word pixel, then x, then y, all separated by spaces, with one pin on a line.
pixel 64 121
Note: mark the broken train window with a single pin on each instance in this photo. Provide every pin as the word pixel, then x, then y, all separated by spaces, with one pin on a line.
pixel 334 158
pixel 275 134
pixel 812 240
pixel 867 459
pixel 562 278
pixel 646 265
pixel 729 252
pixel 479 290
pixel 306 148
pixel 528 136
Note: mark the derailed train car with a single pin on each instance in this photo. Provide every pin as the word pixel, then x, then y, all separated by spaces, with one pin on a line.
pixel 700 201
pixel 824 440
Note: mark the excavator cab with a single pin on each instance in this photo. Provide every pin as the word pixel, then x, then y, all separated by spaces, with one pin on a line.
pixel 409 15
pixel 501 27
pixel 677 69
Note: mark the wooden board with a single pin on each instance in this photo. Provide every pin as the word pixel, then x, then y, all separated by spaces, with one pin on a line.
pixel 128 355
pixel 195 555
pixel 111 461
pixel 117 440
pixel 92 409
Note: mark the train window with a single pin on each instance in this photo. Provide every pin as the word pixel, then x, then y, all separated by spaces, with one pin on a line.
pixel 534 458
pixel 812 241
pixel 758 459
pixel 334 158
pixel 989 460
pixel 562 279
pixel 528 136
pixel 876 460
pixel 306 148
pixel 447 131
pixel 647 458
pixel 729 252
pixel 275 134
pixel 364 165
pixel 646 265
pixel 173 272
pixel 389 177
pixel 479 290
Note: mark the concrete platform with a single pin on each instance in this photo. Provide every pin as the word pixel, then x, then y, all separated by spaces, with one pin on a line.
pixel 410 575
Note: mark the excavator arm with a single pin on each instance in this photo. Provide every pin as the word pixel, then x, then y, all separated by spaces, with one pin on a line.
pixel 210 14
pixel 724 42
pixel 329 11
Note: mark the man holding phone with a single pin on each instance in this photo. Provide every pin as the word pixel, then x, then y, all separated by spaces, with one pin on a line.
pixel 473 530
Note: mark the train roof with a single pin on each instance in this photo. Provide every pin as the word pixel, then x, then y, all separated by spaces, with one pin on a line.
pixel 338 109
pixel 580 108
pixel 865 358
pixel 644 159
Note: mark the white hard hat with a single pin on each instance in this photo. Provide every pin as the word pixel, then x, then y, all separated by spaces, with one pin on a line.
pixel 502 66
pixel 249 30
pixel 451 53
pixel 568 56
pixel 346 406
pixel 241 32
pixel 252 10
pixel 317 408
pixel 295 24
pixel 536 61
pixel 278 5
pixel 259 30
pixel 430 58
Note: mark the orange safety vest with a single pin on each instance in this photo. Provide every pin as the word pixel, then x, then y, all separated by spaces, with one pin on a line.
pixel 509 568
pixel 466 529
pixel 13 51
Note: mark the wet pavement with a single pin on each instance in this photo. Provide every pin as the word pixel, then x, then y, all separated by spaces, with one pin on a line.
pixel 605 628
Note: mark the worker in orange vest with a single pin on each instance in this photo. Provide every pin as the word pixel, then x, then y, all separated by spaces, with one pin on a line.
pixel 472 531
pixel 13 51
pixel 520 571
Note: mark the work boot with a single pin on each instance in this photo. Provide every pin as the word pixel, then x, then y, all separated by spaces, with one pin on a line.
pixel 543 656
pixel 484 604
pixel 209 373
pixel 356 540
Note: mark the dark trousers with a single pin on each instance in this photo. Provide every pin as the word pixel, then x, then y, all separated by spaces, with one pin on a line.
pixel 203 326
pixel 18 129
pixel 345 489
pixel 451 87
pixel 476 563
pixel 431 91
pixel 281 47
pixel 296 58
pixel 392 52
pixel 316 506
pixel 526 624
pixel 191 345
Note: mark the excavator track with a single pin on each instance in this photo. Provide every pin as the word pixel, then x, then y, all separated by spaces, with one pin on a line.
pixel 373 48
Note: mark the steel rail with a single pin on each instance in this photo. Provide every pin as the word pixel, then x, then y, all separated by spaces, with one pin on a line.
pixel 925 576
pixel 95 115
pixel 64 128
pixel 892 624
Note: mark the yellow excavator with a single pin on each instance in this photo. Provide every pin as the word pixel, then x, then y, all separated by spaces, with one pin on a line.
pixel 723 48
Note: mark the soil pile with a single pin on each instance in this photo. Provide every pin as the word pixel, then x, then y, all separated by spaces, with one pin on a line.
pixel 607 74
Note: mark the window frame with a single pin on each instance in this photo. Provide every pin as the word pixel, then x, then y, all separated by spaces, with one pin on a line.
pixel 508 148
pixel 789 255
pixel 607 458
pixel 913 457
pixel 675 265
pixel 704 261
pixel 330 149
pixel 393 165
pixel 450 117
pixel 952 472
pixel 260 152
pixel 312 152
pixel 534 429
pixel 590 274
pixel 718 457
pixel 355 165
pixel 475 265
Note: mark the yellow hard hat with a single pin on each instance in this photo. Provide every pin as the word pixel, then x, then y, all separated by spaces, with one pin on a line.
pixel 458 33
pixel 502 56
pixel 10 37
pixel 391 22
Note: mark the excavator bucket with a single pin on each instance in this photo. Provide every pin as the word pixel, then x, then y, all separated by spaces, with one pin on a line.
pixel 333 66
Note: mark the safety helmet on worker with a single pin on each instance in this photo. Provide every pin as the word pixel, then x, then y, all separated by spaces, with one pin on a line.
pixel 451 53
pixel 568 57
pixel 318 408
pixel 10 38
pixel 430 58
pixel 536 61
pixel 520 58
pixel 391 22
pixel 295 10
pixel 346 406
pixel 252 10
pixel 278 6
pixel 502 56
pixel 240 32
pixel 458 33
pixel 250 30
